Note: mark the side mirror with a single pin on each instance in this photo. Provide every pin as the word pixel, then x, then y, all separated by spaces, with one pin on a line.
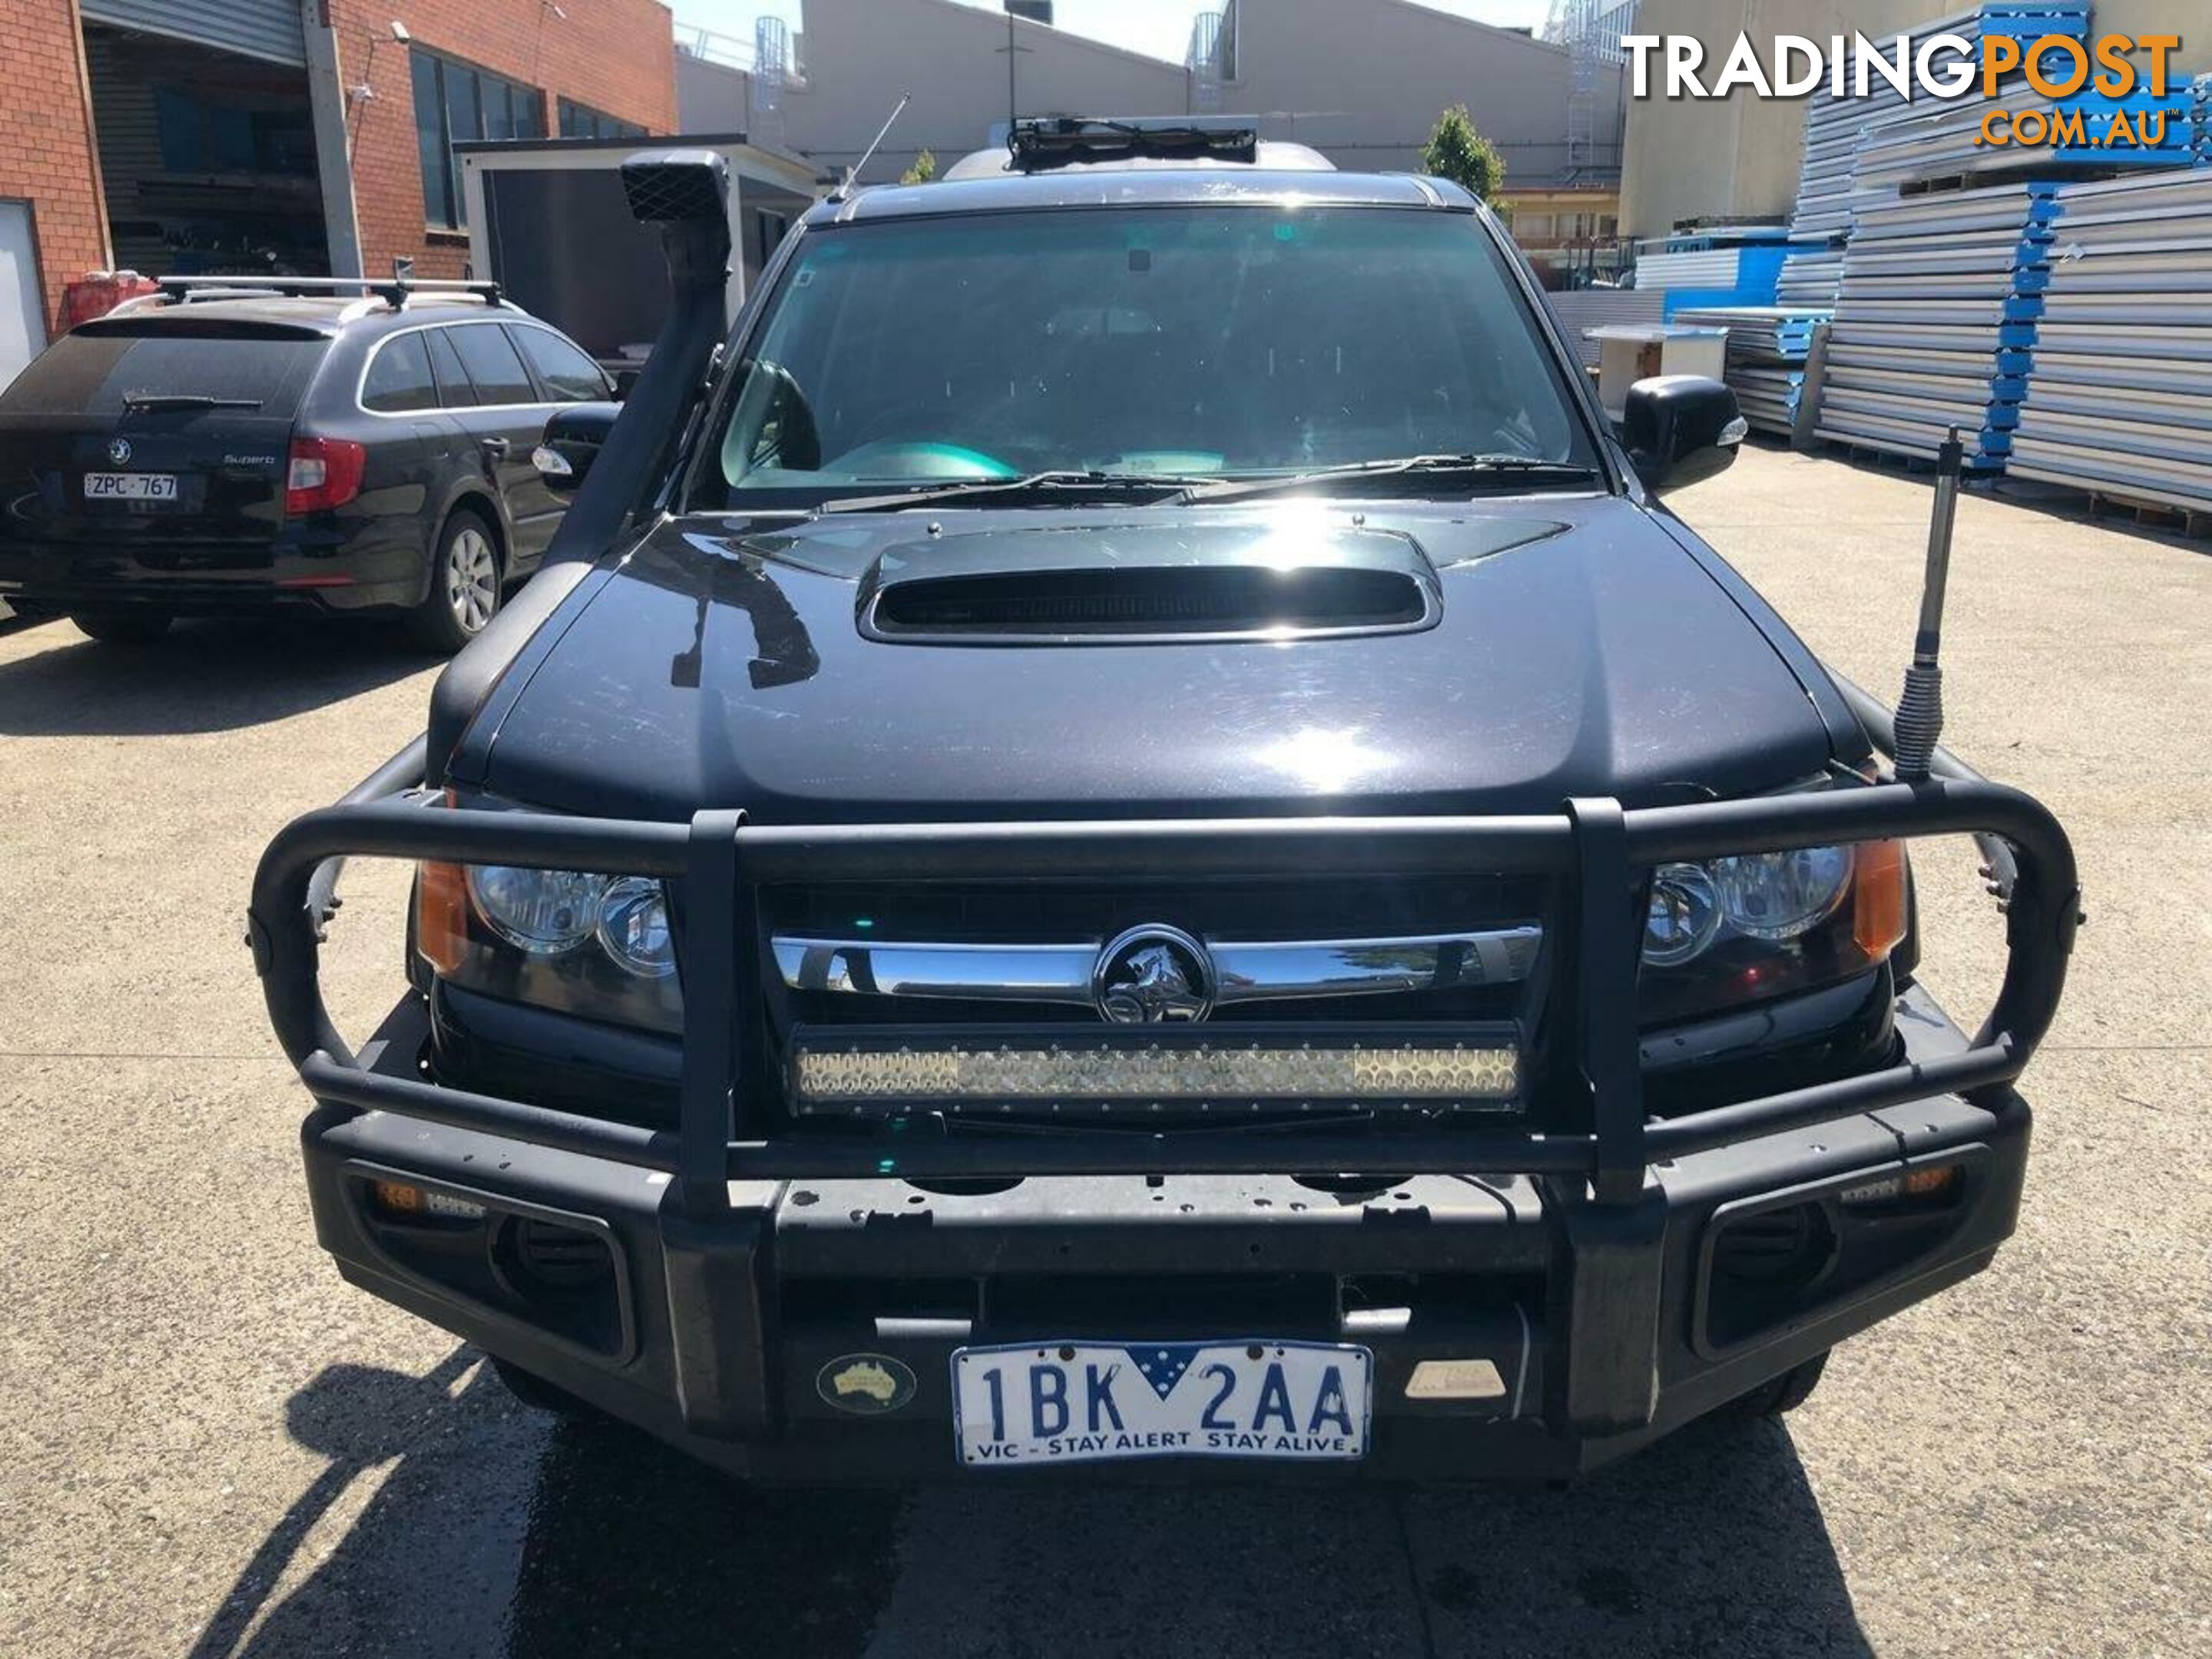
pixel 1679 429
pixel 572 441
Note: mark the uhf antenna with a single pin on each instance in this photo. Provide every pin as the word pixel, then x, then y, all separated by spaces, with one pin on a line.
pixel 869 154
pixel 1920 710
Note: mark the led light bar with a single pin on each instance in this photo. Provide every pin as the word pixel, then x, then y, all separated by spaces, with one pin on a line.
pixel 830 1076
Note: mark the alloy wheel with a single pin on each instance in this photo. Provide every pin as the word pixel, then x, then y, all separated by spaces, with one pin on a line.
pixel 472 580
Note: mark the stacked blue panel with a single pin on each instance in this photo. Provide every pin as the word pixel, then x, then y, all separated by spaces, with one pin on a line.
pixel 2159 133
pixel 2178 141
pixel 2033 19
pixel 1766 350
pixel 1810 276
pixel 1758 268
pixel 1935 323
pixel 1704 241
pixel 2124 349
pixel 1859 150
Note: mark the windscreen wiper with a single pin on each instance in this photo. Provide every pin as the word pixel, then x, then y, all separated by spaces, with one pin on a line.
pixel 139 402
pixel 1052 486
pixel 1471 469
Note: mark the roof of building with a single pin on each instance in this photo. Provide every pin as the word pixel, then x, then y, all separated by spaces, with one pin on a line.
pixel 622 149
pixel 1525 37
pixel 998 20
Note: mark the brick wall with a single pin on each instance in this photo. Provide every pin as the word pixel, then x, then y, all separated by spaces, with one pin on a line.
pixel 46 141
pixel 618 55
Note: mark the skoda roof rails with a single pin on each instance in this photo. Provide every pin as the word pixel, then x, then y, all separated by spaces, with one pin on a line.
pixel 394 291
pixel 1054 140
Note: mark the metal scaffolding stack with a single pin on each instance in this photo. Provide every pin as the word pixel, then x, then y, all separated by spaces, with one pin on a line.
pixel 1935 323
pixel 1767 349
pixel 2121 402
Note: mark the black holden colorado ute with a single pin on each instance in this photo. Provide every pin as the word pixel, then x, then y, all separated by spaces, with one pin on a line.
pixel 1119 829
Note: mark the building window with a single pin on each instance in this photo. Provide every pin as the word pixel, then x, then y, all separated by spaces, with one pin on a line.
pixel 582 121
pixel 454 102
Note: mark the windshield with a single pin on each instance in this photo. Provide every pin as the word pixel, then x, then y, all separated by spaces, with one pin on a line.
pixel 1149 343
pixel 103 369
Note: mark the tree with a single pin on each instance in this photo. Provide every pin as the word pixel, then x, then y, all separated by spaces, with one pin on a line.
pixel 1457 152
pixel 923 170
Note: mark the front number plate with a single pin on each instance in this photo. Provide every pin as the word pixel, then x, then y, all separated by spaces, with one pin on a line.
pixel 1088 1401
pixel 131 486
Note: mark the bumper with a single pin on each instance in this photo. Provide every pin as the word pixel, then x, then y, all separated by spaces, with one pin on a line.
pixel 326 571
pixel 1619 1274
pixel 713 1334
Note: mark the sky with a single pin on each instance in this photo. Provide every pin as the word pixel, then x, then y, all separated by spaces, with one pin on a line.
pixel 1158 28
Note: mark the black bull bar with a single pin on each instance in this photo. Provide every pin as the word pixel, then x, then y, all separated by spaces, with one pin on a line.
pixel 1599 853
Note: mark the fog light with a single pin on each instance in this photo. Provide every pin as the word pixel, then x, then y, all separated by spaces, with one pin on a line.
pixel 398 1198
pixel 1886 1190
pixel 1103 1073
pixel 1933 1181
pixel 1922 1183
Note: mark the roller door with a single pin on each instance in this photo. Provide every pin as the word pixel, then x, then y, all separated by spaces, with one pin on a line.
pixel 268 29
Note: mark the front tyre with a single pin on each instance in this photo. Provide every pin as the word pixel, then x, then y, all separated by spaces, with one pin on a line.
pixel 464 586
pixel 534 1391
pixel 1781 1394
pixel 122 627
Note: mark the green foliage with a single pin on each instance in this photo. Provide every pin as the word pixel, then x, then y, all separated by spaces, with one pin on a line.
pixel 923 170
pixel 1457 152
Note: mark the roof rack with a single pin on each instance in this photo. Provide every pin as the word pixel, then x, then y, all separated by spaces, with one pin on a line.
pixel 1055 140
pixel 394 291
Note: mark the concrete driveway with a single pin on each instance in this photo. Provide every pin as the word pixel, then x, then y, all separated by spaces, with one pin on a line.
pixel 210 1446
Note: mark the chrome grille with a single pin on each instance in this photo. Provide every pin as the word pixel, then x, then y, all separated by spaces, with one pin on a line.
pixel 1373 951
pixel 1249 970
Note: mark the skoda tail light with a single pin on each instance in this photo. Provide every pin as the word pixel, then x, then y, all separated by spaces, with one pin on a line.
pixel 324 473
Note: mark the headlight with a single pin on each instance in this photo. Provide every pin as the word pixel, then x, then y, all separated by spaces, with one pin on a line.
pixel 1685 914
pixel 599 947
pixel 544 912
pixel 1780 895
pixel 1731 931
pixel 633 926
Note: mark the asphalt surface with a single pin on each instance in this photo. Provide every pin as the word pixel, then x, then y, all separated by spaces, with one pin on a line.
pixel 210 1446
